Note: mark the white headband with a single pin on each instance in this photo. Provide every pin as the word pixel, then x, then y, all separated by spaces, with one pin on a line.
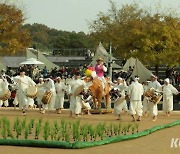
pixel 167 80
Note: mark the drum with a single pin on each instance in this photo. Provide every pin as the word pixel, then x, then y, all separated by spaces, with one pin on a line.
pixel 6 95
pixel 78 90
pixel 32 92
pixel 156 98
pixel 47 97
pixel 114 93
pixel 150 93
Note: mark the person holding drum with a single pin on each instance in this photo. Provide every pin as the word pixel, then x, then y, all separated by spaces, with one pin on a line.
pixel 120 103
pixel 146 106
pixel 23 83
pixel 77 86
pixel 135 92
pixel 157 87
pixel 60 91
pixel 41 91
pixel 50 89
pixel 4 92
pixel 168 91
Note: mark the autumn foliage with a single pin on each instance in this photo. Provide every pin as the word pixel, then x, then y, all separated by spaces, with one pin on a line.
pixel 153 37
pixel 13 38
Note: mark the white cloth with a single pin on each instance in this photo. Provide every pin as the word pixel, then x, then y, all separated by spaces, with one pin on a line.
pixel 135 92
pixel 168 91
pixel 23 83
pixel 60 91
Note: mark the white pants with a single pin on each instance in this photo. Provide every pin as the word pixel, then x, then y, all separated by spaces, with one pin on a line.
pixel 39 99
pixel 6 103
pixel 118 107
pixel 167 104
pixel 59 103
pixel 136 108
pixel 31 101
pixel 150 106
pixel 125 107
pixel 146 104
pixel 22 99
pixel 75 104
pixel 153 109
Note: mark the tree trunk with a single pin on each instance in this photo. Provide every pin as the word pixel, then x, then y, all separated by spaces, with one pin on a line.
pixel 156 69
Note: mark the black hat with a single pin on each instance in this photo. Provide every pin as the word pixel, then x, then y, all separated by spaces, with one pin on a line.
pixel 22 70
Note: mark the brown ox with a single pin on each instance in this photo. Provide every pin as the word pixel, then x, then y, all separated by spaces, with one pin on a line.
pixel 98 92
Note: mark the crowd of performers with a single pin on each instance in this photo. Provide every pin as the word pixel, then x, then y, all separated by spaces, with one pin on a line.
pixel 50 93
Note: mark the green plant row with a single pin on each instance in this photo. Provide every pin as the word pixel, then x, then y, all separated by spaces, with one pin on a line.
pixel 83 144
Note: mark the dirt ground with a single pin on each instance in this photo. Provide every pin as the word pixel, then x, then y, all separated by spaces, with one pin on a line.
pixel 158 142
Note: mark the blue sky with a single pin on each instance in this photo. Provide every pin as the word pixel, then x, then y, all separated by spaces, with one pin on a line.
pixel 72 15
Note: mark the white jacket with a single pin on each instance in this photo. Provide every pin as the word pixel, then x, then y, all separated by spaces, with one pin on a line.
pixel 135 91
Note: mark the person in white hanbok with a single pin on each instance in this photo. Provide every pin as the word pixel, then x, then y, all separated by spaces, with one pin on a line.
pixel 23 82
pixel 146 106
pixel 75 100
pixel 168 91
pixel 119 106
pixel 3 87
pixel 49 86
pixel 135 92
pixel 157 87
pixel 60 91
pixel 41 91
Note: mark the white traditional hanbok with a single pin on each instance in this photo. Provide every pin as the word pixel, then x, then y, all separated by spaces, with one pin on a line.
pixel 60 91
pixel 75 101
pixel 135 92
pixel 118 107
pixel 41 91
pixel 153 107
pixel 50 86
pixel 23 82
pixel 168 91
